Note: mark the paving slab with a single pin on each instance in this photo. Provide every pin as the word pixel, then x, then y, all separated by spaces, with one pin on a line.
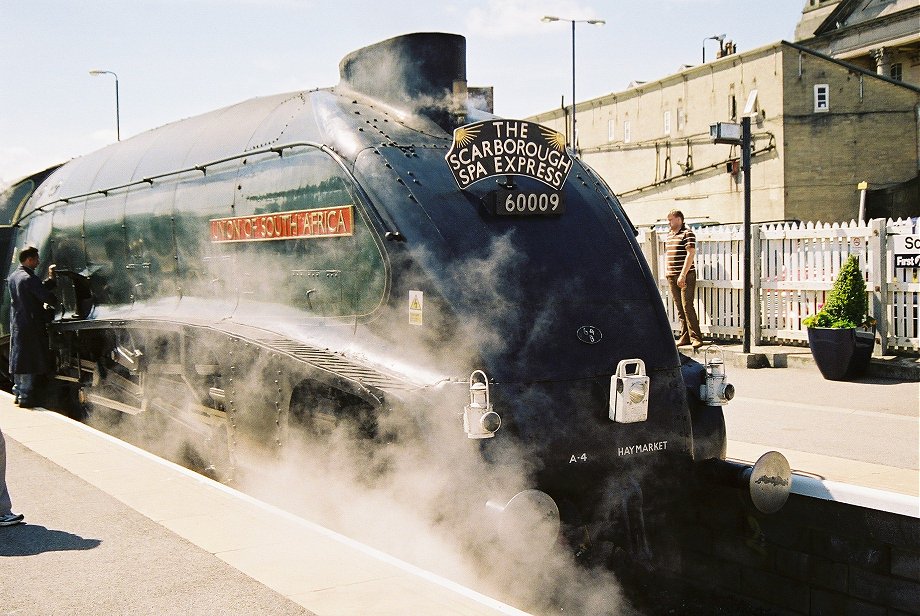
pixel 113 529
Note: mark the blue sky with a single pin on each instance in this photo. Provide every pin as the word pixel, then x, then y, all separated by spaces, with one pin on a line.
pixel 179 58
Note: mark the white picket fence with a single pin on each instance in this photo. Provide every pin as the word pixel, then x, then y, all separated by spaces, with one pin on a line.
pixel 792 269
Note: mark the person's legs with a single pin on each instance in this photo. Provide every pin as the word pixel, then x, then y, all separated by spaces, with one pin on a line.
pixel 25 390
pixel 677 296
pixel 5 504
pixel 692 322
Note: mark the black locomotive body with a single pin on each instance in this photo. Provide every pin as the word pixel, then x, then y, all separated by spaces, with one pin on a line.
pixel 307 260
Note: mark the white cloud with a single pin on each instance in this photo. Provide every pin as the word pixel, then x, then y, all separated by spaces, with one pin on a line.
pixel 16 162
pixel 503 18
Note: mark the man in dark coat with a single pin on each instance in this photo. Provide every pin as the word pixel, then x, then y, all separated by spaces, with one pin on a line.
pixel 28 325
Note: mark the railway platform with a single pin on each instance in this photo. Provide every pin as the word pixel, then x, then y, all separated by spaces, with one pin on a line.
pixel 111 529
pixel 891 367
pixel 863 433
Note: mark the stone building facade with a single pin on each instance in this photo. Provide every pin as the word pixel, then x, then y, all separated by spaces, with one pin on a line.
pixel 878 35
pixel 820 126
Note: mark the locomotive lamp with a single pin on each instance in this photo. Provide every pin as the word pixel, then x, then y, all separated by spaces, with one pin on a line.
pixel 629 392
pixel 479 420
pixel 715 390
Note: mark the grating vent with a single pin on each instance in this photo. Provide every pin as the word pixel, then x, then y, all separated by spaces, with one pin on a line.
pixel 327 360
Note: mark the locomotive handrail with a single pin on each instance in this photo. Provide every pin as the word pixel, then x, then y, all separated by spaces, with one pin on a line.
pixel 391 231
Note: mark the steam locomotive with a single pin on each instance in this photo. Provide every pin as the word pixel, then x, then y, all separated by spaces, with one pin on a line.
pixel 382 257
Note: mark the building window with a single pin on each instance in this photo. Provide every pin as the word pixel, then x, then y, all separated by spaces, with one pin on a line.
pixel 896 72
pixel 822 97
pixel 732 107
pixel 627 134
pixel 681 120
pixel 611 125
pixel 667 122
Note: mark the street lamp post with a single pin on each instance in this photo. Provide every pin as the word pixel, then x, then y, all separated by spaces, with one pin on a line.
pixel 717 37
pixel 117 110
pixel 746 169
pixel 593 22
pixel 735 134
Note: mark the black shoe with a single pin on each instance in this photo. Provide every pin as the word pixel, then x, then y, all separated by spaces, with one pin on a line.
pixel 26 404
pixel 11 519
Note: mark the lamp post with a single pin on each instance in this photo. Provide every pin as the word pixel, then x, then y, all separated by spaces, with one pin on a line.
pixel 735 134
pixel 717 37
pixel 117 111
pixel 593 22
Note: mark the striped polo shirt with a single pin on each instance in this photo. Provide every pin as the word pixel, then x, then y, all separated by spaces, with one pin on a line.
pixel 676 250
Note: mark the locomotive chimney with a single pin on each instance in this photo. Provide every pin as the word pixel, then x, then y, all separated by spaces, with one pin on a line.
pixel 421 73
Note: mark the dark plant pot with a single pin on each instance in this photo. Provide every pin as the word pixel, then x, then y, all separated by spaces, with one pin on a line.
pixel 841 353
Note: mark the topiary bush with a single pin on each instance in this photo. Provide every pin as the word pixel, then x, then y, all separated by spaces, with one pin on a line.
pixel 847 305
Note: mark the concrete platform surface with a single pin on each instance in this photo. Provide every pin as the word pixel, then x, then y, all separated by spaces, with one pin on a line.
pixel 865 432
pixel 112 529
pixel 896 367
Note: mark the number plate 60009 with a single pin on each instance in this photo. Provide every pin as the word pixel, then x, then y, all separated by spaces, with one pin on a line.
pixel 521 203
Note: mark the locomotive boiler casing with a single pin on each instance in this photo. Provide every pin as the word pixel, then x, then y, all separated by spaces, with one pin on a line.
pixel 403 286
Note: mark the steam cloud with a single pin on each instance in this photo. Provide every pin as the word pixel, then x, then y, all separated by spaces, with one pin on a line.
pixel 419 489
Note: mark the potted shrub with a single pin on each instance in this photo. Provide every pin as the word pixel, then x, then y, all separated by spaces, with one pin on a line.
pixel 841 336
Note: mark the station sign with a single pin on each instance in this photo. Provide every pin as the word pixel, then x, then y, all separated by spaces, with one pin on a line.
pixel 906 250
pixel 337 221
pixel 508 147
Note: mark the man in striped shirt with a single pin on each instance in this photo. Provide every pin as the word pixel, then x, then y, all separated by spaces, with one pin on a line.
pixel 680 252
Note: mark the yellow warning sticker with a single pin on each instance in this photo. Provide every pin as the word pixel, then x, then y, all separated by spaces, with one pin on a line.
pixel 416 307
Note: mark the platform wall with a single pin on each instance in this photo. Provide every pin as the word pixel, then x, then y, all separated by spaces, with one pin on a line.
pixel 814 557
